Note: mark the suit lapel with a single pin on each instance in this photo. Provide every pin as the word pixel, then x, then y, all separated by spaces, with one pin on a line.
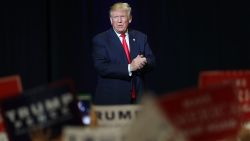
pixel 116 45
pixel 132 45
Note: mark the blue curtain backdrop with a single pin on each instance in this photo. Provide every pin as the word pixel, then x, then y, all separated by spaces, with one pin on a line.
pixel 47 40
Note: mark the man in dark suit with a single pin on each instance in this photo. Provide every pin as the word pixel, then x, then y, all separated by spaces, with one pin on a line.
pixel 121 57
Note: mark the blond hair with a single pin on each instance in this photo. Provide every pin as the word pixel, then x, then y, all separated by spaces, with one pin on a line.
pixel 120 6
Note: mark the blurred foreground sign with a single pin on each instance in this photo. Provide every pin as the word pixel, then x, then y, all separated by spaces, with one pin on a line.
pixel 239 79
pixel 149 125
pixel 92 134
pixel 152 125
pixel 210 78
pixel 116 115
pixel 203 115
pixel 9 86
pixel 43 107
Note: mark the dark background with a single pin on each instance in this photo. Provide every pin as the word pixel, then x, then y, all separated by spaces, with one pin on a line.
pixel 48 40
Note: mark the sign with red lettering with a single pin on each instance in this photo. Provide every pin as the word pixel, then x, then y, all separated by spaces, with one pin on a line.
pixel 240 79
pixel 208 78
pixel 203 115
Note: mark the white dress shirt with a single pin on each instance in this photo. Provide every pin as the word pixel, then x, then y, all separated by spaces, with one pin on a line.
pixel 127 40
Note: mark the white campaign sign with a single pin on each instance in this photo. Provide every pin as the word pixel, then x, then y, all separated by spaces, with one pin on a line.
pixel 117 115
pixel 152 125
pixel 92 134
pixel 3 136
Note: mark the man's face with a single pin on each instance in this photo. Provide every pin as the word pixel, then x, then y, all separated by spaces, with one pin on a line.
pixel 120 20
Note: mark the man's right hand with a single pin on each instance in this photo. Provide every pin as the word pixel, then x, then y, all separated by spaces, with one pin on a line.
pixel 138 63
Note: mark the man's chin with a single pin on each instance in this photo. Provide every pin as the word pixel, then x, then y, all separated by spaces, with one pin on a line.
pixel 121 30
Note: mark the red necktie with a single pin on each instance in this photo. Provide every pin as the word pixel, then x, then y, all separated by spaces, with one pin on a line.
pixel 125 46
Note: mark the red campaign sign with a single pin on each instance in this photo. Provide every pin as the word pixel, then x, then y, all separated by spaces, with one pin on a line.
pixel 9 86
pixel 208 78
pixel 203 115
pixel 240 79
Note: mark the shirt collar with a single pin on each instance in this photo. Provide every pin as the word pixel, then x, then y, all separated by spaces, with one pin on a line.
pixel 118 34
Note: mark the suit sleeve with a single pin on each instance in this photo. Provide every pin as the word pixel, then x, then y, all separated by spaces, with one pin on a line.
pixel 103 64
pixel 149 55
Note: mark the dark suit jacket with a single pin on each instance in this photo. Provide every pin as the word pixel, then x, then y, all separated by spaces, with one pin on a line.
pixel 114 82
